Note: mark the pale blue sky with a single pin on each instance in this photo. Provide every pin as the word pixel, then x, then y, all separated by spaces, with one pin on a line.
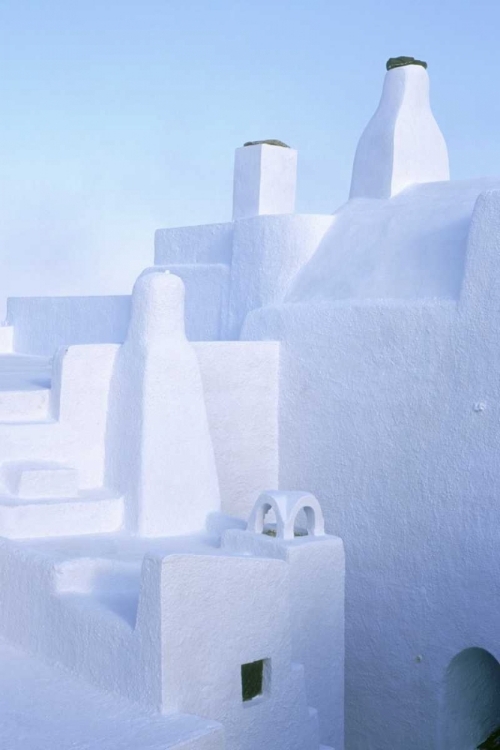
pixel 119 117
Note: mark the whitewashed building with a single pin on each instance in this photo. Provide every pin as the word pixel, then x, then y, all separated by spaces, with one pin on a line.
pixel 354 356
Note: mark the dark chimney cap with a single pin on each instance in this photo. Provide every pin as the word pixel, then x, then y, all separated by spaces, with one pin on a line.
pixel 399 62
pixel 270 142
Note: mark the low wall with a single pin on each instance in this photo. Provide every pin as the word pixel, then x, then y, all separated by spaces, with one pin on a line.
pixel 43 324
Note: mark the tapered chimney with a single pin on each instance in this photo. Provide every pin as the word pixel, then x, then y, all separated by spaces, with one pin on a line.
pixel 402 144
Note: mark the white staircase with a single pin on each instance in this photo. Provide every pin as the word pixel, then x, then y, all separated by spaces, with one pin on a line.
pixel 41 497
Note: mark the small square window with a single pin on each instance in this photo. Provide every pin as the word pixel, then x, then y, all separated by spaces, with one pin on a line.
pixel 252 679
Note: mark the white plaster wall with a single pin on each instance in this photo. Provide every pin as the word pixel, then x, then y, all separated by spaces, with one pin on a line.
pixel 317 616
pixel 246 618
pixel 268 251
pixel 231 269
pixel 316 591
pixel 201 256
pixel 241 387
pixel 43 324
pixel 390 414
pixel 207 292
pixel 207 243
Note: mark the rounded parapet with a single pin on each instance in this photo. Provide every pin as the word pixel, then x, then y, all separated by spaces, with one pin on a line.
pixel 157 307
pixel 286 506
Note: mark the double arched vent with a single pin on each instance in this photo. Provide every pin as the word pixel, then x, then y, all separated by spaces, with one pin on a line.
pixel 286 507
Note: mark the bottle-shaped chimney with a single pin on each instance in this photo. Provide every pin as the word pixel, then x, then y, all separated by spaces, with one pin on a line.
pixel 402 144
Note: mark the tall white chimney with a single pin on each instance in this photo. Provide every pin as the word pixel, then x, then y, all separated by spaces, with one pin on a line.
pixel 402 144
pixel 265 178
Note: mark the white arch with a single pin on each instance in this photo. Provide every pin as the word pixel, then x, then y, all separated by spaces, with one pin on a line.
pixel 314 516
pixel 266 502
pixel 470 703
pixel 286 506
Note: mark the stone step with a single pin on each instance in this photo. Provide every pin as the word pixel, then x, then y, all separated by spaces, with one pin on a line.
pixel 91 512
pixel 25 406
pixel 41 479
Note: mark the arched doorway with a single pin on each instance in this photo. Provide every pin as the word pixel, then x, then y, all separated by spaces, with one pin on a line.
pixel 470 709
